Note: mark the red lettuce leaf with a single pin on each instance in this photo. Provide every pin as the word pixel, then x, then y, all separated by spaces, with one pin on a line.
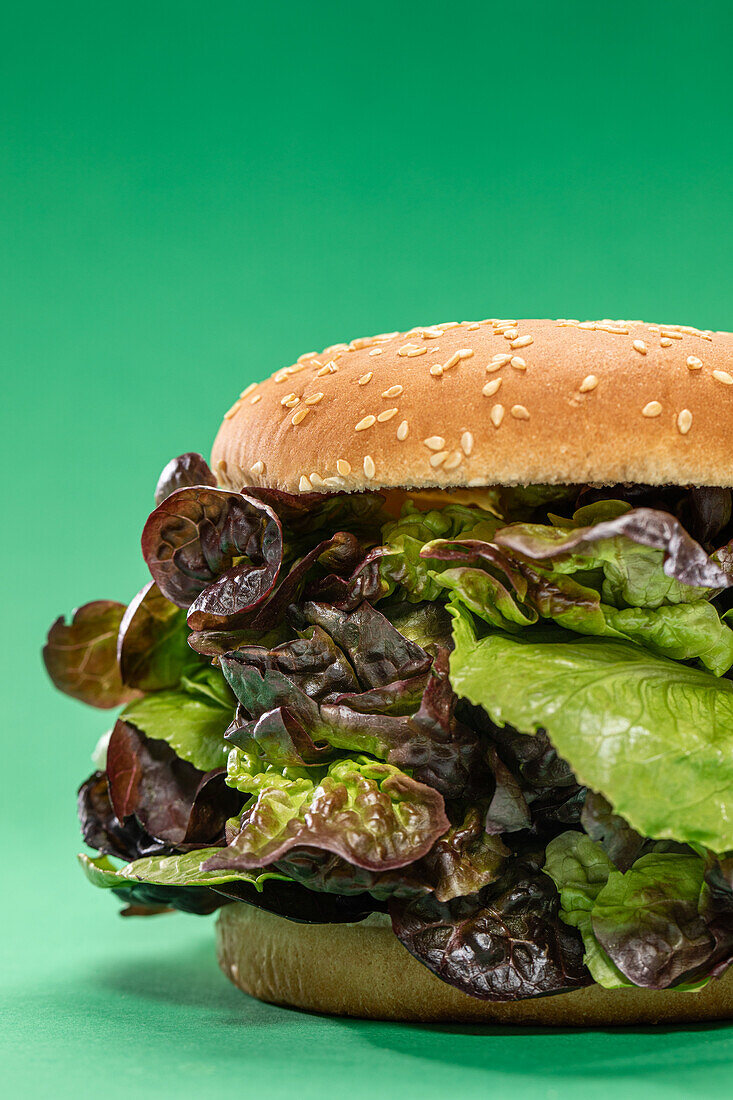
pixel 504 943
pixel 81 657
pixel 215 552
pixel 181 473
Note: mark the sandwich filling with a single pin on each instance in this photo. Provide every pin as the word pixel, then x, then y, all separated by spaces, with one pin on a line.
pixel 503 719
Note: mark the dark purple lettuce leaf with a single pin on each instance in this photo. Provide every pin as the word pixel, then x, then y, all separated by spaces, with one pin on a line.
pixel 401 697
pixel 370 814
pixel 504 943
pixel 508 811
pixel 172 801
pixel 706 512
pixel 280 739
pixel 152 644
pixel 465 859
pixel 215 552
pixel 81 657
pixel 314 662
pixel 345 594
pixel 146 900
pixel 302 514
pixel 684 559
pixel 377 651
pixel 181 473
pixel 620 842
pixel 717 910
pixel 103 830
pixel 301 905
pixel 440 750
pixel 331 874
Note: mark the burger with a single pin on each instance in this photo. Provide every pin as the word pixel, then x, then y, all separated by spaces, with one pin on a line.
pixel 430 690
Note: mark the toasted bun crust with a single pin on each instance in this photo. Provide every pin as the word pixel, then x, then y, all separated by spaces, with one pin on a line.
pixel 491 402
pixel 363 970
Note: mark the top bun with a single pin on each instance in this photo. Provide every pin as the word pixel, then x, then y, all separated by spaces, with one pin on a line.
pixel 497 402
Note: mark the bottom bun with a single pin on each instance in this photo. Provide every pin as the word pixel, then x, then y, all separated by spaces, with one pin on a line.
pixel 363 970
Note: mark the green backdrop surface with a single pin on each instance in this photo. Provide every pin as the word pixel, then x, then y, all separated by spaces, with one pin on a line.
pixel 191 195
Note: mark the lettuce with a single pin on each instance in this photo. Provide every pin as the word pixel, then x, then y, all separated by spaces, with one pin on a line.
pixel 367 812
pixel 655 737
pixel 192 718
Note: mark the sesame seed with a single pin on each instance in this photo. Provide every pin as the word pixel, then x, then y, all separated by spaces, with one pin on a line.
pixel 502 358
pixel 453 460
pixel 518 363
pixel 361 342
pixel 317 481
pixel 694 363
pixel 386 415
pixel 464 353
pixel 258 468
pixel 230 412
pixel 670 334
pixel 315 363
pixel 723 376
pixel 402 430
pixel 684 421
pixel 435 442
pixel 510 334
pixel 665 342
pixel 304 484
pixel 411 350
pixel 449 324
pixel 432 333
pixel 335 482
pixel 523 342
pixel 327 368
pixel 280 376
pixel 497 415
pixel 640 346
pixel 589 383
pixel 473 326
pixel 376 351
pixel 366 378
pixel 314 399
pixel 491 387
pixel 467 443
pixel 588 324
pixel 652 408
pixel 369 467
pixel 306 356
pixel 438 459
pixel 365 423
pixel 343 467
pixel 436 370
pixel 455 358
pixel 385 337
pixel 393 391
pixel 291 402
pixel 257 397
pixel 248 389
pixel 296 369
pixel 519 412
pixel 299 417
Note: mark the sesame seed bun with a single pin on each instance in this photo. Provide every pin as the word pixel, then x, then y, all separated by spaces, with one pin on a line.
pixel 491 402
pixel 363 970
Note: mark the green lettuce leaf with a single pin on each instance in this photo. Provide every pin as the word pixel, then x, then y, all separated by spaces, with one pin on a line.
pixel 169 870
pixel 655 737
pixel 192 718
pixel 580 868
pixel 401 565
pixel 367 812
pixel 175 870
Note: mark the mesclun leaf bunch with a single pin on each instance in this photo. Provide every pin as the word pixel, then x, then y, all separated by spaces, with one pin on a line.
pixel 507 723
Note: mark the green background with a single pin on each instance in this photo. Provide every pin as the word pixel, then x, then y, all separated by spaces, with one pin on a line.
pixel 193 194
